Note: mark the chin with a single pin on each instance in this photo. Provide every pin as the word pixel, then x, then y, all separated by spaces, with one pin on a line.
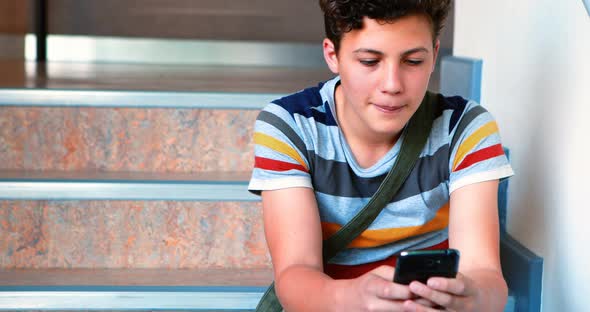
pixel 391 130
pixel 391 126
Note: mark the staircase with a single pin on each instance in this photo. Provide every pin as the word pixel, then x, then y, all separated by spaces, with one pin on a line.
pixel 123 187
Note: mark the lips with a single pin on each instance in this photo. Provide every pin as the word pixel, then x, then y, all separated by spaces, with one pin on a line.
pixel 388 108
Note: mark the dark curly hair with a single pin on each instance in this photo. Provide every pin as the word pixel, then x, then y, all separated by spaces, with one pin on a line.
pixel 341 16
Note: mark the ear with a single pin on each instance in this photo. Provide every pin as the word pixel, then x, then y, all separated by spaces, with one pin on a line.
pixel 330 55
pixel 436 49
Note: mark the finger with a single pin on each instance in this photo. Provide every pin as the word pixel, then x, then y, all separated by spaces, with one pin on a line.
pixel 382 284
pixel 416 306
pixel 386 289
pixel 438 297
pixel 425 302
pixel 460 286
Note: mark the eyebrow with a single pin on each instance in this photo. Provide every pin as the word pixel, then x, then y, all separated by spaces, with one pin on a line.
pixel 408 52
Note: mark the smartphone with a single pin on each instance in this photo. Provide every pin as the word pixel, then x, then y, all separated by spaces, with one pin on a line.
pixel 420 265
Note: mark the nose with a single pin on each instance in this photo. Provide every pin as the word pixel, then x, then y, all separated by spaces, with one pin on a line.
pixel 392 80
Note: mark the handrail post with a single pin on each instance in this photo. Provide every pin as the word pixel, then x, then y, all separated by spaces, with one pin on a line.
pixel 41 26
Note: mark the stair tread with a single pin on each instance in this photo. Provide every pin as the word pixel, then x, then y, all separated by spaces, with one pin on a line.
pixel 116 76
pixel 123 177
pixel 132 289
pixel 136 277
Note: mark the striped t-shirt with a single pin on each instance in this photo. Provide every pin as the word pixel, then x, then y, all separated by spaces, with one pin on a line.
pixel 298 143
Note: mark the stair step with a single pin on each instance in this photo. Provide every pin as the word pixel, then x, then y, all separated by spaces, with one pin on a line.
pixel 126 139
pixel 125 234
pixel 135 99
pixel 134 117
pixel 93 185
pixel 133 289
pixel 142 77
pixel 134 298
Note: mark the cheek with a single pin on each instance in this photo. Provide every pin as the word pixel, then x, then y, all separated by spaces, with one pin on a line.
pixel 360 86
pixel 418 80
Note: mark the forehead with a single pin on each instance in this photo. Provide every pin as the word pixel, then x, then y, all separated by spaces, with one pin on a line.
pixel 407 32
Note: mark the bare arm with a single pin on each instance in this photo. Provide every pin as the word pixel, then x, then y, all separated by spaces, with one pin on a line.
pixel 474 231
pixel 293 233
pixel 294 236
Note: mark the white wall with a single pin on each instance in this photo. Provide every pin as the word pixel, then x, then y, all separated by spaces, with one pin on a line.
pixel 536 81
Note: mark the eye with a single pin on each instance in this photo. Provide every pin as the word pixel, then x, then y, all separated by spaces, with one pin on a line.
pixel 369 63
pixel 413 62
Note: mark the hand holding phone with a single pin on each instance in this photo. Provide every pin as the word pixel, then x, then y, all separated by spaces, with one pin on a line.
pixel 420 265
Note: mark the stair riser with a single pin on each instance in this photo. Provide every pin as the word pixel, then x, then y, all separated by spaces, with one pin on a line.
pixel 131 234
pixel 126 139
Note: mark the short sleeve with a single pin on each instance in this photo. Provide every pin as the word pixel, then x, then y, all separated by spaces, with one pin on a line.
pixel 478 154
pixel 279 152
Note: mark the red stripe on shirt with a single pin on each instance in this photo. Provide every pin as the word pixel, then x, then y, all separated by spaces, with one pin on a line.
pixel 481 155
pixel 276 165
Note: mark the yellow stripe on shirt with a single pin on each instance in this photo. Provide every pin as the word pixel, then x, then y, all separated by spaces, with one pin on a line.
pixel 374 238
pixel 278 146
pixel 469 143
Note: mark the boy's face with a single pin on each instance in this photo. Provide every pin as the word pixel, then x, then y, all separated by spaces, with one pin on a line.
pixel 384 70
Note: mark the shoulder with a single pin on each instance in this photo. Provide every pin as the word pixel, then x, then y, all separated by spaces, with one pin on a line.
pixel 301 101
pixel 455 113
pixel 308 104
pixel 299 120
pixel 451 109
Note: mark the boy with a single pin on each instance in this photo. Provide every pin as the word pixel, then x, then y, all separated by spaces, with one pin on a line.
pixel 321 154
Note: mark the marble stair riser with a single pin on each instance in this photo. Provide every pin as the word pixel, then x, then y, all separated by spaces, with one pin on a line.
pixel 156 140
pixel 131 234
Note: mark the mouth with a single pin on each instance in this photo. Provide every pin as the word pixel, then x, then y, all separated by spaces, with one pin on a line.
pixel 388 108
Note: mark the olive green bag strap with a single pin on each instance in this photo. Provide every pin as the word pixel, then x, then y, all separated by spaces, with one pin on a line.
pixel 416 134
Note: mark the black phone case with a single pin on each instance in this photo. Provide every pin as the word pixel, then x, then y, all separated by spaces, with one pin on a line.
pixel 421 265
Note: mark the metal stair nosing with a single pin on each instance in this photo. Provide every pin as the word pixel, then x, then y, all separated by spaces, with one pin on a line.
pixel 78 297
pixel 135 99
pixel 109 187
